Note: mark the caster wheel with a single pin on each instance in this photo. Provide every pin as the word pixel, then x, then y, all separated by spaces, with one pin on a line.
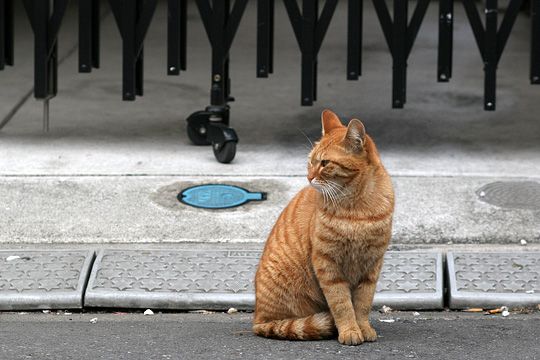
pixel 197 133
pixel 224 152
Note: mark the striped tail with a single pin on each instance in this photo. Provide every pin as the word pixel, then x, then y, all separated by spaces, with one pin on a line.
pixel 314 327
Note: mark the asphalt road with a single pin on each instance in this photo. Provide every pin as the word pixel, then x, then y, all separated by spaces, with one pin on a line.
pixel 443 335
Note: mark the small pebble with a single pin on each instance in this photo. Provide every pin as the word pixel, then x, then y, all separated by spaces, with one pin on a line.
pixel 93 320
pixel 523 242
pixel 232 311
pixel 46 311
pixel 416 313
pixel 148 312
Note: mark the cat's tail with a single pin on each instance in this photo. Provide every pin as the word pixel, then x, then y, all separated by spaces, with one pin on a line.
pixel 314 327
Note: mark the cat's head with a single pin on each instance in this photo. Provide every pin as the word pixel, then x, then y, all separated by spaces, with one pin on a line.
pixel 343 156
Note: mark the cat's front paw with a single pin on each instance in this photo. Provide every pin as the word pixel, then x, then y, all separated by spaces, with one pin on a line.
pixel 351 337
pixel 368 332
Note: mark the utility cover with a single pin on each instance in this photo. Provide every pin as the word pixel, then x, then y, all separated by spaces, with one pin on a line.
pixel 218 196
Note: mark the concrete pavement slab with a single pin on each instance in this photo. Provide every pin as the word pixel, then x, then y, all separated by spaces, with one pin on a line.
pixel 214 279
pixel 51 279
pixel 489 279
pixel 145 209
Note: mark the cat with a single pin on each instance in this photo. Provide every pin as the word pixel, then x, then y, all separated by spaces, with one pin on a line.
pixel 317 275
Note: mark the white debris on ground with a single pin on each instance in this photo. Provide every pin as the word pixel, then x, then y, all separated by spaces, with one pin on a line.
pixel 385 309
pixel 387 320
pixel 12 257
pixel 148 312
pixel 523 242
pixel 232 311
pixel 530 291
pixel 46 311
pixel 416 313
pixel 201 312
pixel 93 320
pixel 505 311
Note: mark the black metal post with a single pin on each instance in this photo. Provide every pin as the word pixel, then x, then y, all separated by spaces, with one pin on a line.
pixel 6 33
pixel 309 21
pixel 127 25
pixel 88 35
pixel 176 36
pixel 490 55
pixel 399 43
pixel 217 96
pixel 535 42
pixel 354 41
pixel 446 30
pixel 265 30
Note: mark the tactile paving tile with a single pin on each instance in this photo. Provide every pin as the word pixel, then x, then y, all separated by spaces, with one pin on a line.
pixel 52 279
pixel 493 279
pixel 411 280
pixel 201 279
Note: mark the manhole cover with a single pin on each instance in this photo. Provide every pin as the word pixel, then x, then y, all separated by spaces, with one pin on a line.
pixel 512 194
pixel 218 196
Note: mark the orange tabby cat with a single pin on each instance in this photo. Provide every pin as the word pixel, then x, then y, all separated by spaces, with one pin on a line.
pixel 321 261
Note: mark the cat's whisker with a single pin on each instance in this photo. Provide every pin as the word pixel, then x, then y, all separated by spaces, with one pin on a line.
pixel 308 139
pixel 336 187
pixel 344 193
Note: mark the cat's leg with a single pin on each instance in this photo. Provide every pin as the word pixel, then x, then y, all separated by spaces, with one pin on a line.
pixel 363 299
pixel 337 292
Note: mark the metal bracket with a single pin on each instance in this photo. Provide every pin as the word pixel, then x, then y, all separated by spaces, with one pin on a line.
pixel 491 40
pixel 309 29
pixel 176 36
pixel 89 17
pixel 265 38
pixel 45 21
pixel 221 25
pixel 6 33
pixel 400 35
pixel 133 19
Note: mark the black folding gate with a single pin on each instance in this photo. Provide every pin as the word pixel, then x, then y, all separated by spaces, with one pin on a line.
pixel 221 19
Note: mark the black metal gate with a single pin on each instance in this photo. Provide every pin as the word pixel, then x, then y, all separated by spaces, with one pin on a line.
pixel 221 19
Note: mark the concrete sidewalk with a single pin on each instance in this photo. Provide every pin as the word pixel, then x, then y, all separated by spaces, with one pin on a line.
pixel 108 171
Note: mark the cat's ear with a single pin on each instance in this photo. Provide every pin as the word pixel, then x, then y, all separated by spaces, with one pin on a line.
pixel 356 136
pixel 330 121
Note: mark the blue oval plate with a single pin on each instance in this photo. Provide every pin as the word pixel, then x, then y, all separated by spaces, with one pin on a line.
pixel 218 196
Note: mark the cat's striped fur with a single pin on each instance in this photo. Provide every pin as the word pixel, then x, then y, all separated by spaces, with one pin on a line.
pixel 322 259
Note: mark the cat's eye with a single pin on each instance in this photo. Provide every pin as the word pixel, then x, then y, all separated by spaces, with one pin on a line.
pixel 324 163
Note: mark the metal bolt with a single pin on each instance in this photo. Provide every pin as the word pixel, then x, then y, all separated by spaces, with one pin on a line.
pixel 443 77
pixel 216 146
pixel 128 94
pixel 83 66
pixel 217 78
pixel 172 68
pixel 489 104
pixel 536 78
pixel 306 99
pixel 202 130
pixel 449 16
pixel 352 73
